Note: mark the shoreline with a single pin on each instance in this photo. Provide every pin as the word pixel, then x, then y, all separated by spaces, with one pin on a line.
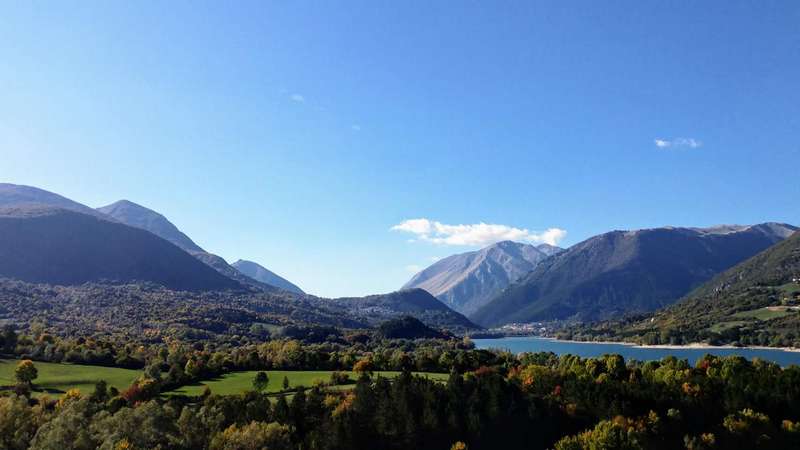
pixel 692 346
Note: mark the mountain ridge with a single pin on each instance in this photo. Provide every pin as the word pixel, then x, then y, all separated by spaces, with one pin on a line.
pixel 136 215
pixel 260 273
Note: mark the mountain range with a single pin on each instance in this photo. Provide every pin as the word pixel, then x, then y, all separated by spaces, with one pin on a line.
pixel 467 281
pixel 124 260
pixel 624 272
pixel 61 252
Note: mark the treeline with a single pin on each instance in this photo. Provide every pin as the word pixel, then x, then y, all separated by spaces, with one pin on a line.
pixel 533 401
pixel 175 363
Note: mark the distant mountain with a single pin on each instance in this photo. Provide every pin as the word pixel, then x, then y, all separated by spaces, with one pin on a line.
pixel 752 303
pixel 139 216
pixel 64 247
pixel 27 197
pixel 627 271
pixel 467 281
pixel 375 309
pixel 262 274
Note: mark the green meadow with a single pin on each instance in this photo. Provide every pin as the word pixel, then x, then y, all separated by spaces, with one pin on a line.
pixel 56 378
pixel 238 382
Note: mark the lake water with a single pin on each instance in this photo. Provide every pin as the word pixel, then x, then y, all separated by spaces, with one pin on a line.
pixel 588 349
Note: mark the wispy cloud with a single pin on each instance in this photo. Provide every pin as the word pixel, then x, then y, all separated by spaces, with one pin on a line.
pixel 355 127
pixel 479 234
pixel 297 98
pixel 677 143
pixel 413 268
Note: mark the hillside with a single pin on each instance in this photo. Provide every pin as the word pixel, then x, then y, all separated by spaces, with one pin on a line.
pixel 407 328
pixel 625 272
pixel 149 311
pixel 64 247
pixel 375 309
pixel 264 275
pixel 754 303
pixel 467 281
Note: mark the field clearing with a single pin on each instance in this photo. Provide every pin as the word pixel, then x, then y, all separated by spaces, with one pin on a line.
pixel 238 382
pixel 763 313
pixel 790 288
pixel 56 378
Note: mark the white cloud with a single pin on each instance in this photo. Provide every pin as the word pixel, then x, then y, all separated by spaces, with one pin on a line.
pixel 413 268
pixel 479 234
pixel 298 98
pixel 355 127
pixel 677 143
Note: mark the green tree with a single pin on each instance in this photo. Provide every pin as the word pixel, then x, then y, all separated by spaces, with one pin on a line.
pixel 285 383
pixel 26 372
pixel 261 381
pixel 8 339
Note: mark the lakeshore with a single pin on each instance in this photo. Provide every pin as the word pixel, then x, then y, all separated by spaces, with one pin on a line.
pixel 692 352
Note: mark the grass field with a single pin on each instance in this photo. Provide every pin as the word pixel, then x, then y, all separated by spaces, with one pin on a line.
pixel 55 379
pixel 790 288
pixel 238 382
pixel 762 314
pixel 722 326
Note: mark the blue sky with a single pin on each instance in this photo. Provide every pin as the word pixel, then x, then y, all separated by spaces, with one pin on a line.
pixel 298 134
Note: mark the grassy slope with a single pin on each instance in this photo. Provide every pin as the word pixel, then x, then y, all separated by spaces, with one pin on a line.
pixel 55 379
pixel 238 382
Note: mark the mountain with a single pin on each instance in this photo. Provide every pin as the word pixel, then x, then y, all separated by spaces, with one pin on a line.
pixel 144 218
pixel 262 274
pixel 138 216
pixel 467 281
pixel 375 309
pixel 63 247
pixel 626 272
pixel 26 197
pixel 753 303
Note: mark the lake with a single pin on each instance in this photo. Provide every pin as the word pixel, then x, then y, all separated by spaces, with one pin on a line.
pixel 589 349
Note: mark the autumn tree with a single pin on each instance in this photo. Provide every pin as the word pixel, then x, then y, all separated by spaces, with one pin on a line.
pixel 26 372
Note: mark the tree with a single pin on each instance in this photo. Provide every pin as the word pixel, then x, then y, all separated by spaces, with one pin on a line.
pixel 26 372
pixel 363 366
pixel 261 381
pixel 285 382
pixel 254 436
pixel 8 339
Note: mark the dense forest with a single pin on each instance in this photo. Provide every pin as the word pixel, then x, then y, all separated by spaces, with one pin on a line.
pixel 492 399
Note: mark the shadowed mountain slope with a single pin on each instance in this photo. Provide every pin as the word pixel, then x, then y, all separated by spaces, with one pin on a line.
pixel 64 247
